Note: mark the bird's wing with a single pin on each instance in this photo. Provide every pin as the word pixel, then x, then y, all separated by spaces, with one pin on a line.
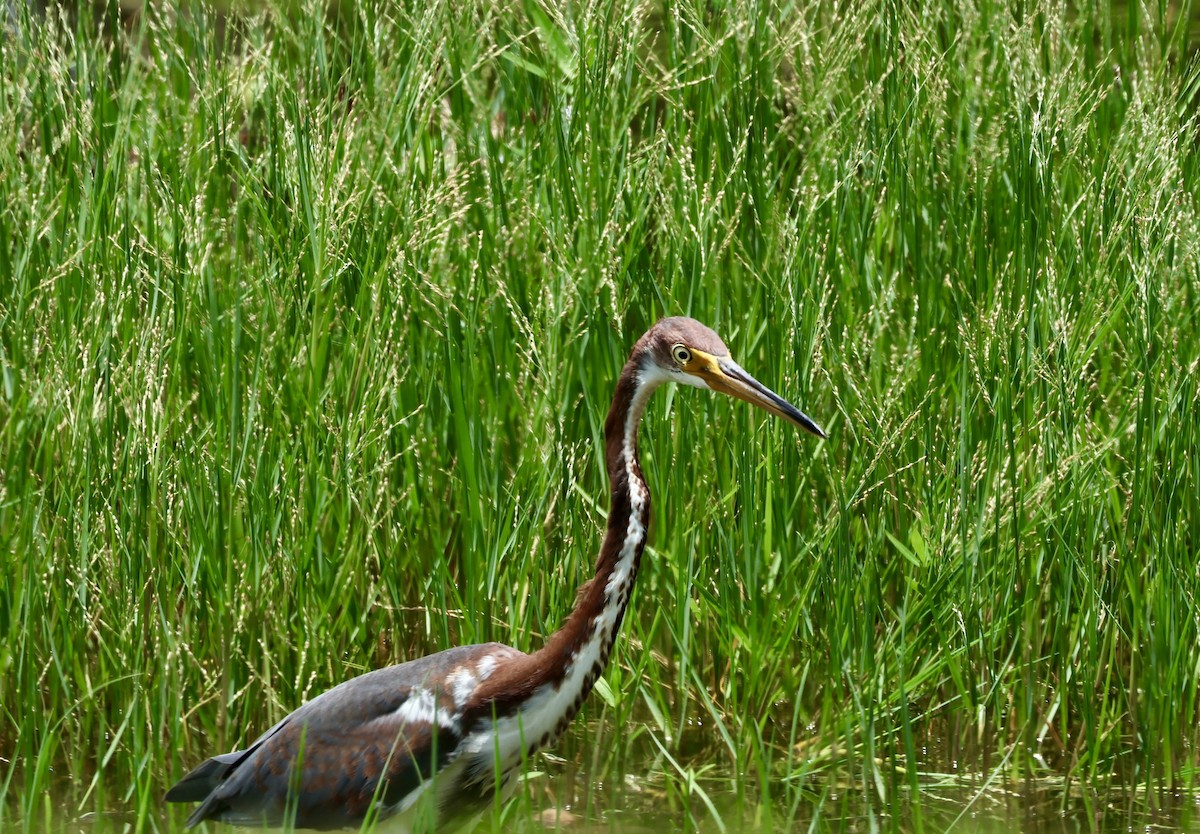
pixel 373 739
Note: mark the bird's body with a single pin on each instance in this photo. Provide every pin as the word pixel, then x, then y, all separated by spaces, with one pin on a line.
pixel 439 736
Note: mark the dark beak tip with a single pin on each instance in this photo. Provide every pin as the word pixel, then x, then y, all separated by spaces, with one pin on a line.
pixel 807 423
pixel 813 428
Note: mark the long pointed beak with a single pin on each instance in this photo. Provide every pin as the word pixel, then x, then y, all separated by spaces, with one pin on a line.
pixel 730 378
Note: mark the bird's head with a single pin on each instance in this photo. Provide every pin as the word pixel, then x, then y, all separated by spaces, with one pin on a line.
pixel 684 350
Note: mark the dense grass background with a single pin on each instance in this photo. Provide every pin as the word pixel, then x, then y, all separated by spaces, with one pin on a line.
pixel 309 319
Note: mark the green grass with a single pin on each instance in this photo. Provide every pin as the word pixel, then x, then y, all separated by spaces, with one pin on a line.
pixel 309 321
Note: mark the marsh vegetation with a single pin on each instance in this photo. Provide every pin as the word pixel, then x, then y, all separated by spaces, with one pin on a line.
pixel 309 318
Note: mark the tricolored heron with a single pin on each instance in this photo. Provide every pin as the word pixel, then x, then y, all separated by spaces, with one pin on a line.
pixel 453 727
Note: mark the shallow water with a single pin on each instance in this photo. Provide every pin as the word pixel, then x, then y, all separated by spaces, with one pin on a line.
pixel 558 794
pixel 957 808
pixel 947 807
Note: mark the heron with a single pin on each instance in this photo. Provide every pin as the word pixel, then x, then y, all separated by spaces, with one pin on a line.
pixel 444 734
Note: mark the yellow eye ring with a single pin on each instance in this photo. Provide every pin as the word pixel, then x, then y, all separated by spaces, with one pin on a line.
pixel 681 354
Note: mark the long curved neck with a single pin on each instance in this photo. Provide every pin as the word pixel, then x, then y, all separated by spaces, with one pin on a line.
pixel 601 603
pixel 549 685
pixel 629 498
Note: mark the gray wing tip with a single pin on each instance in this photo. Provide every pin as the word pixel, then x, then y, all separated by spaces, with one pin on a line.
pixel 205 811
pixel 199 784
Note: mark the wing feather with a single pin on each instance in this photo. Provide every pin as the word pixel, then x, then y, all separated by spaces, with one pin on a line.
pixel 371 740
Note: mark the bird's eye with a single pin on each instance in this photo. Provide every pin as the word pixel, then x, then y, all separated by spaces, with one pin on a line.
pixel 681 354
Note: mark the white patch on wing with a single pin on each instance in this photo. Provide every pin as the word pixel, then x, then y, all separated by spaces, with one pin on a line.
pixel 462 683
pixel 486 666
pixel 422 707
